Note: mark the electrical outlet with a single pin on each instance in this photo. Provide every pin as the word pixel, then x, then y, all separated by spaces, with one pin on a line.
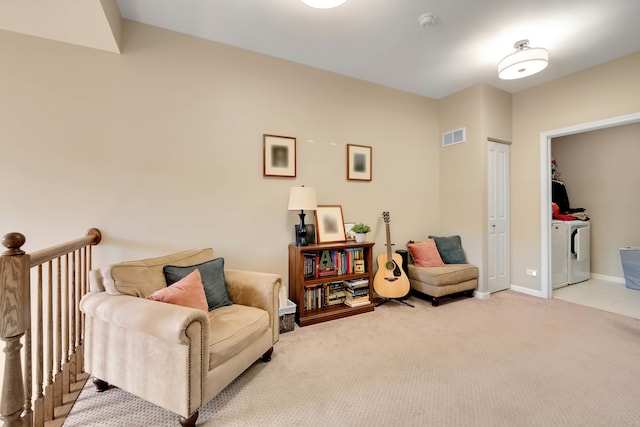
pixel 532 273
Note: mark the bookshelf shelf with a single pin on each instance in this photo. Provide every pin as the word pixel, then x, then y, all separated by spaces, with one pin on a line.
pixel 308 288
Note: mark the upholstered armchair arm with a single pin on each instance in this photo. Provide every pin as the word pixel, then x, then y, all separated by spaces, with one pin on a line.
pixel 256 289
pixel 152 349
pixel 168 322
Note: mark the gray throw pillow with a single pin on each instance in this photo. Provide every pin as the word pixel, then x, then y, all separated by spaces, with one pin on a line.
pixel 450 249
pixel 212 273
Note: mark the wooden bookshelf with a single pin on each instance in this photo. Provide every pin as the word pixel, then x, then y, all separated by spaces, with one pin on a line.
pixel 301 280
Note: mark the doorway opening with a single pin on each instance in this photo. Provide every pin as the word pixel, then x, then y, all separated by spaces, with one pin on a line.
pixel 545 187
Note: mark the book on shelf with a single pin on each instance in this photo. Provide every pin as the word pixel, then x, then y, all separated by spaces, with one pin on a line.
pixel 357 303
pixel 356 293
pixel 356 283
pixel 324 272
pixel 334 293
pixel 335 286
pixel 309 262
pixel 333 262
pixel 357 289
pixel 317 297
pixel 350 296
pixel 336 298
pixel 311 297
pixel 324 295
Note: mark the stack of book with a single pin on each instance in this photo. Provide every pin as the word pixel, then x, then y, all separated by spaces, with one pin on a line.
pixel 335 293
pixel 313 297
pixel 324 295
pixel 356 292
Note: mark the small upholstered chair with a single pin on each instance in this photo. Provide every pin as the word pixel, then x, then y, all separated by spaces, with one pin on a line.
pixel 437 267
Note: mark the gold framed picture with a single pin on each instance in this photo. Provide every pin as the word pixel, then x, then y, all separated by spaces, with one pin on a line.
pixel 329 224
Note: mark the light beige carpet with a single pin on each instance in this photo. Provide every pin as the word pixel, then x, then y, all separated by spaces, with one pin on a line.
pixel 512 360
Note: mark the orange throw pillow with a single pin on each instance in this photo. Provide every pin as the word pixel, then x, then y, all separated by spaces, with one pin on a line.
pixel 425 254
pixel 187 292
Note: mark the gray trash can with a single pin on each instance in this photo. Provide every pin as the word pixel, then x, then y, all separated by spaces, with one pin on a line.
pixel 630 258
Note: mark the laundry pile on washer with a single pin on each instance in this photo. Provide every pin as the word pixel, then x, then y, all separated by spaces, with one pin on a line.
pixel 560 204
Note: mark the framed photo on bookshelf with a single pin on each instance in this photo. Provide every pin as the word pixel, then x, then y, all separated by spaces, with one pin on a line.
pixel 358 162
pixel 350 235
pixel 279 156
pixel 329 224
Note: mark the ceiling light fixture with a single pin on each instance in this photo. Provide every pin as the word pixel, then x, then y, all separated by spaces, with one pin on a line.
pixel 323 4
pixel 524 62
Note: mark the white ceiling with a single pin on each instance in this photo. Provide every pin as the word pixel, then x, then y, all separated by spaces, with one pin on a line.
pixel 381 41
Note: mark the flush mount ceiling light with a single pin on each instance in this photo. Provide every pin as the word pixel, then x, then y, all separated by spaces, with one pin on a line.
pixel 524 62
pixel 323 4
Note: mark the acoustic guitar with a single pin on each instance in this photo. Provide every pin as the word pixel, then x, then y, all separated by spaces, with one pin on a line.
pixel 390 281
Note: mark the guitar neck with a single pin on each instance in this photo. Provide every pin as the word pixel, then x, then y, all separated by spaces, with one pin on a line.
pixel 389 257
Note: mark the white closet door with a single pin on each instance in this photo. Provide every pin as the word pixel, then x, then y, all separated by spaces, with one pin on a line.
pixel 498 205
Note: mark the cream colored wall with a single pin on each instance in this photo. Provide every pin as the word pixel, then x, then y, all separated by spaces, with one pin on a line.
pixel 161 148
pixel 485 112
pixel 600 171
pixel 461 190
pixel 496 113
pixel 605 91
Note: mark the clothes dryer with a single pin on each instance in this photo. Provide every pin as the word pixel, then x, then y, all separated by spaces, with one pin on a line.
pixel 570 252
pixel 579 251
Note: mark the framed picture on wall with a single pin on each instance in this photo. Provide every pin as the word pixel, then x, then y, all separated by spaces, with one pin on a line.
pixel 358 162
pixel 279 156
pixel 329 224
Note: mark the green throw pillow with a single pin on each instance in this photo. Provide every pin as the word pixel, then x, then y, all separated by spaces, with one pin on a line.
pixel 450 249
pixel 212 273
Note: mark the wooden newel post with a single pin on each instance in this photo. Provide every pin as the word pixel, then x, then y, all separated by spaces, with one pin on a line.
pixel 14 321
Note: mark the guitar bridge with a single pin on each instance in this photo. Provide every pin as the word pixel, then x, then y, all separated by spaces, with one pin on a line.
pixel 391 279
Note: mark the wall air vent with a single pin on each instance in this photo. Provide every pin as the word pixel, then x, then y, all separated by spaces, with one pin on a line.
pixel 454 137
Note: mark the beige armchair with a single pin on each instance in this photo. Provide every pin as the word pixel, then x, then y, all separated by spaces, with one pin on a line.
pixel 176 357
pixel 440 269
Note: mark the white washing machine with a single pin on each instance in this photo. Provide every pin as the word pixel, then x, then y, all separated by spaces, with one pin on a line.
pixel 570 252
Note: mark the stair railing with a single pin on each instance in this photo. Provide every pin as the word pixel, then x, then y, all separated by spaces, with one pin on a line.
pixel 41 324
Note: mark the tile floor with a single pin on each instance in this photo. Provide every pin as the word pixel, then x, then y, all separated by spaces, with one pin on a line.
pixel 608 296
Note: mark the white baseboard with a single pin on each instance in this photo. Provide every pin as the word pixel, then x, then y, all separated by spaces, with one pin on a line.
pixel 528 291
pixel 481 295
pixel 614 279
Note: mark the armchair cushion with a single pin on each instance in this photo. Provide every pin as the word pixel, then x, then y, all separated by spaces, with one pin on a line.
pixel 232 329
pixel 425 254
pixel 143 277
pixel 212 273
pixel 187 292
pixel 450 249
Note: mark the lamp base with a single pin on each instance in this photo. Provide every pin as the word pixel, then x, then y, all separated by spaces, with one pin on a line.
pixel 309 237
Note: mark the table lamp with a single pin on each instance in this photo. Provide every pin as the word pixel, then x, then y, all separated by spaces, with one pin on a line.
pixel 301 198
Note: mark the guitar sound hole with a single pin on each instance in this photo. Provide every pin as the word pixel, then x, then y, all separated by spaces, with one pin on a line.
pixel 391 265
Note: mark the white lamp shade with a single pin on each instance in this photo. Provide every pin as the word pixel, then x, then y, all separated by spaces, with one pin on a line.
pixel 302 198
pixel 523 63
pixel 323 4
